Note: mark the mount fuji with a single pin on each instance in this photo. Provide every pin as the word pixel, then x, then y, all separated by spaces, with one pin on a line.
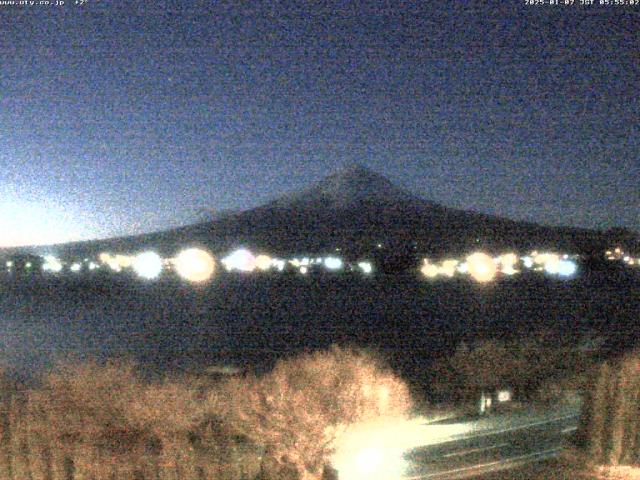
pixel 356 210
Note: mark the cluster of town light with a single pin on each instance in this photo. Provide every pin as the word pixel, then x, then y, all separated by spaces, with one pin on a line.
pixel 243 260
pixel 484 268
pixel 198 265
pixel 194 264
pixel 618 254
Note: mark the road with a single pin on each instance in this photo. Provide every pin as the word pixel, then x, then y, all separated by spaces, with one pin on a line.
pixel 496 442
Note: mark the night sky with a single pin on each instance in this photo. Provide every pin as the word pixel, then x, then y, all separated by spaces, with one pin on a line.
pixel 122 117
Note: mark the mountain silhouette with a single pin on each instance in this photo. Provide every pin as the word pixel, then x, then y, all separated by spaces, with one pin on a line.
pixel 357 211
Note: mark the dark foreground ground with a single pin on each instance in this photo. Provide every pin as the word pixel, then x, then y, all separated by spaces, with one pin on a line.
pixel 251 321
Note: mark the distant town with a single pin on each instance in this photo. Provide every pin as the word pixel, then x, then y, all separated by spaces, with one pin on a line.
pixel 199 265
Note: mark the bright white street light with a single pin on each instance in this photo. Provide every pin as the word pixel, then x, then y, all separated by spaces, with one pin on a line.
pixel 51 264
pixel 567 268
pixel 242 260
pixel 366 267
pixel 148 265
pixel 333 263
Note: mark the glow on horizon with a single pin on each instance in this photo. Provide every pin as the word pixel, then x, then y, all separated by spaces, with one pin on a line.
pixel 29 223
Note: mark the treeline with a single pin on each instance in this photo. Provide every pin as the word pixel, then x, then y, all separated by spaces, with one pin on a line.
pixel 87 420
pixel 538 367
pixel 610 425
pixel 104 421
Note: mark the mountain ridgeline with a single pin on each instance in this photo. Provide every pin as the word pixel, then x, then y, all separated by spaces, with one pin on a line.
pixel 356 210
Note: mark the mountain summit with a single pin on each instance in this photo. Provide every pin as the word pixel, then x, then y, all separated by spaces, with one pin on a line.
pixel 347 188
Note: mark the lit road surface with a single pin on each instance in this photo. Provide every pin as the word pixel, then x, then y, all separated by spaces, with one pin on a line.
pixel 493 443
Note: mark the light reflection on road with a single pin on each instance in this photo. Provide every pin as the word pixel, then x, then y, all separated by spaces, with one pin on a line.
pixel 497 442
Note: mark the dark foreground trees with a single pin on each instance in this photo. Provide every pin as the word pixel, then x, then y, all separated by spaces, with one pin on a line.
pixel 610 426
pixel 538 367
pixel 89 420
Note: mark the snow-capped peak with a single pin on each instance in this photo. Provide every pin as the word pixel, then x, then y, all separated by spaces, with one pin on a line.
pixel 346 187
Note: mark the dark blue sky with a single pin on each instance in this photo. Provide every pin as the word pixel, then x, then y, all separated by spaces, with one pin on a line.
pixel 121 117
